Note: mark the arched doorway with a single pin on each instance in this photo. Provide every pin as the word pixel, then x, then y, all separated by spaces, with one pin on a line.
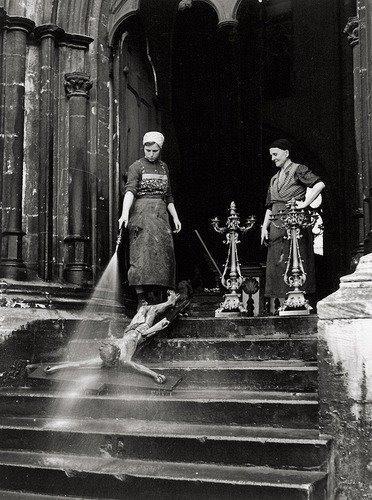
pixel 222 78
pixel 225 92
pixel 134 103
pixel 239 86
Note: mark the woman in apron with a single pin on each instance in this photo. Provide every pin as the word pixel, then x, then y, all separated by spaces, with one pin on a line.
pixel 291 181
pixel 147 201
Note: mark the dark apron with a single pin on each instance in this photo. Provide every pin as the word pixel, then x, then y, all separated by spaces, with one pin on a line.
pixel 277 256
pixel 151 250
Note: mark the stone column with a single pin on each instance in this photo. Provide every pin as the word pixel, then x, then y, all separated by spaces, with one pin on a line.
pixel 77 265
pixel 47 36
pixel 2 36
pixel 17 31
pixel 364 14
pixel 352 31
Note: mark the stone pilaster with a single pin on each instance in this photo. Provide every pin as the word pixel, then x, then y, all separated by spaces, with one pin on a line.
pixel 345 379
pixel 17 31
pixel 352 32
pixel 47 35
pixel 364 34
pixel 2 106
pixel 77 266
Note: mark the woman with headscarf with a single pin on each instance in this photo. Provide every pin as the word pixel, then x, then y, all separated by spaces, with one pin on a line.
pixel 291 181
pixel 147 198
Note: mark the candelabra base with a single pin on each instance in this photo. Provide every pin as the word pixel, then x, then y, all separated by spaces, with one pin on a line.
pixel 231 307
pixel 295 304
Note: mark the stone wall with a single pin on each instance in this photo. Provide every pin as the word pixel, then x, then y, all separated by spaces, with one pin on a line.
pixel 345 379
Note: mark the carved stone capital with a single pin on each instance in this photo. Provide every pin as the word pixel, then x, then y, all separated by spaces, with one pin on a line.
pixel 230 24
pixel 48 31
pixel 352 31
pixel 229 29
pixel 76 41
pixel 185 4
pixel 19 24
pixel 77 84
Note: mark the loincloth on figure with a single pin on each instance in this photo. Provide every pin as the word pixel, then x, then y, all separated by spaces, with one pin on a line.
pixel 111 351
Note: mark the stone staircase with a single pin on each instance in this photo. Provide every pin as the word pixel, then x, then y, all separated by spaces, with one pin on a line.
pixel 242 423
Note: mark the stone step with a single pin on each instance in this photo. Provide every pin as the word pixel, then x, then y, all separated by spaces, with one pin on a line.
pixel 288 375
pixel 176 441
pixel 278 375
pixel 250 347
pixel 220 406
pixel 47 340
pixel 44 336
pixel 183 327
pixel 241 327
pixel 107 477
pixel 253 347
pixel 17 495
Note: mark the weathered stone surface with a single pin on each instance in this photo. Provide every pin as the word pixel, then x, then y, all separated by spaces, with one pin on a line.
pixel 345 378
pixel 354 297
pixel 31 209
pixel 18 28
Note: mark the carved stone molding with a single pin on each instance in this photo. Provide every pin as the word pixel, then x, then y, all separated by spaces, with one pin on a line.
pixel 352 31
pixel 76 41
pixel 117 5
pixel 19 24
pixel 228 24
pixel 185 4
pixel 229 29
pixel 48 30
pixel 77 84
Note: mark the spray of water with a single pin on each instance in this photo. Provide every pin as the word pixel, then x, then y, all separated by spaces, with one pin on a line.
pixel 74 383
pixel 106 292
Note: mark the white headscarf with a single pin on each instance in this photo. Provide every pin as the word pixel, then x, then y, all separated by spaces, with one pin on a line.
pixel 154 137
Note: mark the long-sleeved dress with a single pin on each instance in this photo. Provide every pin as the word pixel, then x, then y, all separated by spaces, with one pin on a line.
pixel 151 250
pixel 282 189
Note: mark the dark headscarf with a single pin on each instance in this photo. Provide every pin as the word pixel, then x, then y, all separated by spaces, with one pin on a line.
pixel 283 144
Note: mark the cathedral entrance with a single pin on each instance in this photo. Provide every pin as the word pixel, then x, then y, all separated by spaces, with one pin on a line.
pixel 224 78
pixel 222 92
pixel 239 86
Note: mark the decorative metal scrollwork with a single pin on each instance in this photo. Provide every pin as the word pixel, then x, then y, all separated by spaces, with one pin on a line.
pixel 232 278
pixel 293 220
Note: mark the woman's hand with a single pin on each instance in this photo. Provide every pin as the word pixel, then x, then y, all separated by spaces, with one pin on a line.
pixel 123 220
pixel 264 235
pixel 177 225
pixel 301 204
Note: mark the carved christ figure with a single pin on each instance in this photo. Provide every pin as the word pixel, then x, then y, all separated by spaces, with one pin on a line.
pixel 116 352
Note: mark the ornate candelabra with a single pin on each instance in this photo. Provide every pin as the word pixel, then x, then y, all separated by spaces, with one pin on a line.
pixel 293 220
pixel 232 278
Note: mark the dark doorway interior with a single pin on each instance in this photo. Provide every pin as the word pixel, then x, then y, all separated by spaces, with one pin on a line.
pixel 220 84
pixel 238 88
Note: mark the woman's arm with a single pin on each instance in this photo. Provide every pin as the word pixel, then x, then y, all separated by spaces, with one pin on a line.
pixel 265 227
pixel 172 210
pixel 134 176
pixel 127 203
pixel 311 194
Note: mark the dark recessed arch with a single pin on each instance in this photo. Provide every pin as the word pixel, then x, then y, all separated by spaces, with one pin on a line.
pixel 237 8
pixel 119 18
pixel 211 4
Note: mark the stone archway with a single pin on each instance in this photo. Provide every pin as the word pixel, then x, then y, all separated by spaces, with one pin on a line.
pixel 75 36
